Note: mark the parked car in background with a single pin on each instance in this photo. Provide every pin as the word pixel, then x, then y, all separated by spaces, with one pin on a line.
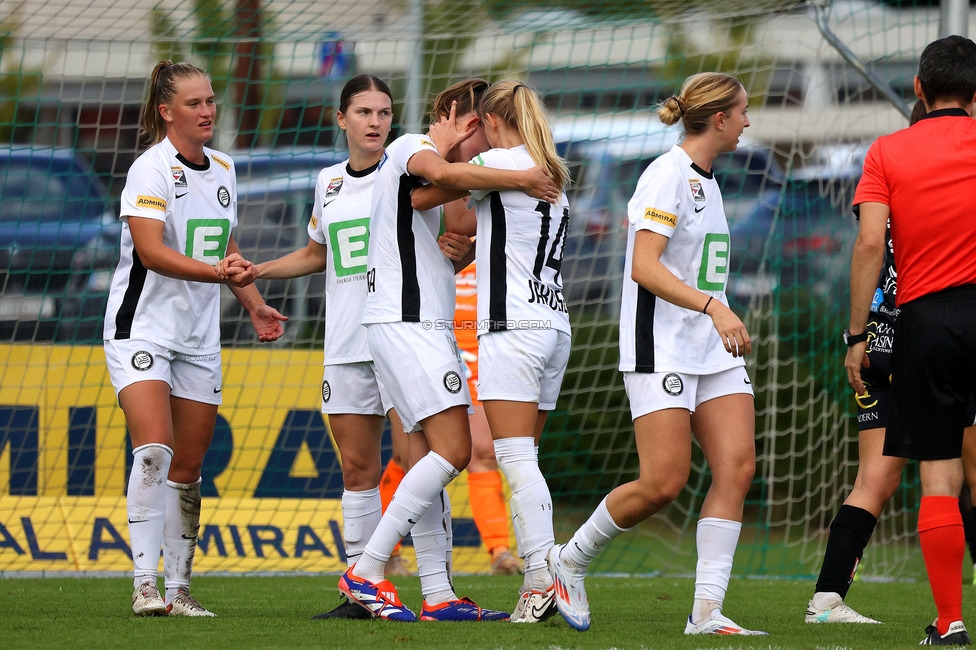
pixel 606 155
pixel 275 195
pixel 801 236
pixel 56 218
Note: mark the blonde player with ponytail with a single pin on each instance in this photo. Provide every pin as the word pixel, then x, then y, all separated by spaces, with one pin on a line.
pixel 162 325
pixel 524 335
pixel 681 350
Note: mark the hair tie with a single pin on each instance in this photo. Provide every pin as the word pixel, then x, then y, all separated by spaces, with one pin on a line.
pixel 679 106
pixel 517 86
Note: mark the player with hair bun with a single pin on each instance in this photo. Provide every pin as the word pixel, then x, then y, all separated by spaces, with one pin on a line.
pixel 409 317
pixel 681 350
pixel 162 325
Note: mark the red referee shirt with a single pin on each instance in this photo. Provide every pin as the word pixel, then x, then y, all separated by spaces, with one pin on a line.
pixel 926 175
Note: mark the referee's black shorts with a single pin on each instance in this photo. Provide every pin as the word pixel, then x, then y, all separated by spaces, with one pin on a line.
pixel 933 375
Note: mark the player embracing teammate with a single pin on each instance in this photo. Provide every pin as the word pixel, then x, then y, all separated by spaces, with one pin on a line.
pixel 409 317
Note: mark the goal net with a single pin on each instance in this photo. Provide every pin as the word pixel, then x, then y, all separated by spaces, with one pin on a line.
pixel 74 75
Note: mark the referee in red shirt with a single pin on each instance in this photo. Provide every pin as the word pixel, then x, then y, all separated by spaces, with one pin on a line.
pixel 923 179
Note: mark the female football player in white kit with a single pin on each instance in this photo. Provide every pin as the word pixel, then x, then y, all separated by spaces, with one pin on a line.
pixel 409 320
pixel 162 329
pixel 524 335
pixel 338 230
pixel 681 350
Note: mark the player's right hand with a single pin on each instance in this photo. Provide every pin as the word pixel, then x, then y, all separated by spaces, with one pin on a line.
pixel 538 185
pixel 235 270
pixel 445 134
pixel 730 329
pixel 855 360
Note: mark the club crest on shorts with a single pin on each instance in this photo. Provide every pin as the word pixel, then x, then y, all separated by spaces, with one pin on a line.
pixel 326 392
pixel 452 382
pixel 223 196
pixel 142 360
pixel 672 384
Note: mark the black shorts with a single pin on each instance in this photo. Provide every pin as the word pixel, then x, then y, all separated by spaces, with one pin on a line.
pixel 933 375
pixel 872 407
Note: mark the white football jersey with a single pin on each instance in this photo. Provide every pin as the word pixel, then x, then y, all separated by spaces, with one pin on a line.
pixel 519 254
pixel 409 278
pixel 340 222
pixel 677 199
pixel 198 205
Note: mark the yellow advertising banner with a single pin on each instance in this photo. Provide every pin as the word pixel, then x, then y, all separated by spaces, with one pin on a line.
pixel 271 481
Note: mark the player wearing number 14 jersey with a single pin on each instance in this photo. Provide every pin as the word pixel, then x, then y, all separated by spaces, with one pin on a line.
pixel 681 353
pixel 523 330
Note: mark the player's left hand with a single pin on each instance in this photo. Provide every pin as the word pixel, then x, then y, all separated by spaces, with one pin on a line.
pixel 445 134
pixel 537 184
pixel 455 246
pixel 267 322
pixel 855 360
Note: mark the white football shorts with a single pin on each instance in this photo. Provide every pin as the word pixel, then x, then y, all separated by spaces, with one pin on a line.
pixel 194 377
pixel 523 365
pixel 421 370
pixel 656 391
pixel 354 388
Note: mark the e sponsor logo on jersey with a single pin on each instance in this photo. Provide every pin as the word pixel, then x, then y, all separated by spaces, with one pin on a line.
pixel 672 384
pixel 223 196
pixel 661 217
pixel 151 202
pixel 326 392
pixel 452 382
pixel 332 191
pixel 696 190
pixel 206 239
pixel 350 245
pixel 179 177
pixel 222 163
pixel 714 262
pixel 142 361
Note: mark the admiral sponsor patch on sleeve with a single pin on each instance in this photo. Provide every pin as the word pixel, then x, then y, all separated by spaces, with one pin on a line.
pixel 151 202
pixel 661 217
pixel 313 222
pixel 428 143
pixel 222 163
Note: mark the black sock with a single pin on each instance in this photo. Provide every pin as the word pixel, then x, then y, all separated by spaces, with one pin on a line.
pixel 849 534
pixel 968 521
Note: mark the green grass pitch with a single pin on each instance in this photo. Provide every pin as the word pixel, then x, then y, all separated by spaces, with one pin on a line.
pixel 275 612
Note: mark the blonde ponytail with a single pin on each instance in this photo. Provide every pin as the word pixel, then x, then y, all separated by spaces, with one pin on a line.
pixel 519 107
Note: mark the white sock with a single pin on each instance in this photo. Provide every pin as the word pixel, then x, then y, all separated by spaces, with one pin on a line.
pixel 430 543
pixel 591 538
pixel 361 513
pixel 180 530
pixel 145 505
pixel 418 489
pixel 449 531
pixel 716 540
pixel 531 506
